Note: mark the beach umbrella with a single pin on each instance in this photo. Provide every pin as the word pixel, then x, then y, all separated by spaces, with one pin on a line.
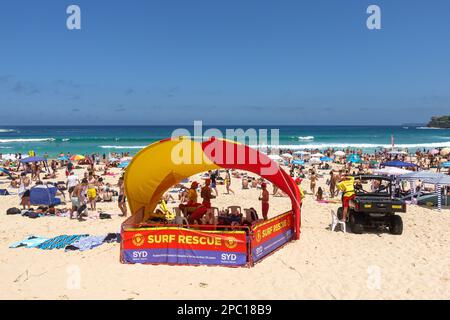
pixel 287 155
pixel 339 153
pixel 63 158
pixel 275 157
pixel 446 164
pixel 301 152
pixel 394 152
pixel 315 161
pixel 77 157
pixel 445 152
pixel 298 162
pixel 326 159
pixel 112 159
pixel 123 164
pixel 434 151
pixel 317 155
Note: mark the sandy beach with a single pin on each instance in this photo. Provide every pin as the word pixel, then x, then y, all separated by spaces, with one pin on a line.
pixel 321 265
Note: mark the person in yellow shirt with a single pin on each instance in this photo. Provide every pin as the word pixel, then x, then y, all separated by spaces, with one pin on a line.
pixel 298 181
pixel 347 186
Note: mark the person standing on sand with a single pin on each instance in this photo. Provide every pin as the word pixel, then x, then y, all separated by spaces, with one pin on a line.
pixel 313 180
pixel 213 176
pixel 24 190
pixel 347 186
pixel 92 191
pixel 228 182
pixel 333 181
pixel 72 182
pixel 122 198
pixel 264 198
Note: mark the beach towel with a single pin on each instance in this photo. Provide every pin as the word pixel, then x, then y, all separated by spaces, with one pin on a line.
pixel 29 242
pixel 112 237
pixel 86 243
pixel 60 242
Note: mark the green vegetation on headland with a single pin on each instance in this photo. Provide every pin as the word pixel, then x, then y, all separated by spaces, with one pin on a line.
pixel 439 122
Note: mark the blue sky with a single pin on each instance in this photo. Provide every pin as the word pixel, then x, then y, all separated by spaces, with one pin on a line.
pixel 224 62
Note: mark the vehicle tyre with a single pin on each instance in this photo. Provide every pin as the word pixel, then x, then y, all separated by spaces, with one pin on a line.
pixel 396 225
pixel 356 222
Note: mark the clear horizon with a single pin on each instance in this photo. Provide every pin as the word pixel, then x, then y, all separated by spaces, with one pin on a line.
pixel 245 63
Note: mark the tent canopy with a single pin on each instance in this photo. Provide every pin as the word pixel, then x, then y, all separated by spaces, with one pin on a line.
pixel 398 164
pixel 33 159
pixel 165 163
pixel 427 177
pixel 390 171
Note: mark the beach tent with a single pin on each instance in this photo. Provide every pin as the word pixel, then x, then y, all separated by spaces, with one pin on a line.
pixel 339 153
pixel 298 162
pixel 5 171
pixel 326 159
pixel 44 195
pixel 430 177
pixel 390 171
pixel 156 168
pixel 353 158
pixel 398 164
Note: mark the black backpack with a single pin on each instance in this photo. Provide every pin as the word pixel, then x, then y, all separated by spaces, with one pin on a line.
pixel 13 211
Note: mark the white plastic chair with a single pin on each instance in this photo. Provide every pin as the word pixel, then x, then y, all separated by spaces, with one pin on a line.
pixel 335 221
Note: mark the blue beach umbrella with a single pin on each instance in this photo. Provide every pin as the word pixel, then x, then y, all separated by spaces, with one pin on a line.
pixel 63 158
pixel 326 159
pixel 446 164
pixel 298 162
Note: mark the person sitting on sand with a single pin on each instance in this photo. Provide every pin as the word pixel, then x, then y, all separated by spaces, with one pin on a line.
pixel 319 195
pixel 264 198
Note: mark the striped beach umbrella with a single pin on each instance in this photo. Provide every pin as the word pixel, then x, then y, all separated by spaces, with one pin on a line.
pixel 77 157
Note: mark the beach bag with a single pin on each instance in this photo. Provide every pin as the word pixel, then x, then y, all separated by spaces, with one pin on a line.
pixel 104 216
pixel 11 211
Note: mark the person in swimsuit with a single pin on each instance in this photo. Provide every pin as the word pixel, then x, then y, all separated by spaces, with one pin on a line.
pixel 228 182
pixel 122 198
pixel 313 180
pixel 92 191
pixel 264 198
pixel 24 190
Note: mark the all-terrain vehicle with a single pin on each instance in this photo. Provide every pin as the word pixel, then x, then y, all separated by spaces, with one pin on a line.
pixel 375 205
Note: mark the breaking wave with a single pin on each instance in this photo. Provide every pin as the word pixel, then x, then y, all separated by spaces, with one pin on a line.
pixel 122 147
pixel 355 145
pixel 27 140
pixel 306 138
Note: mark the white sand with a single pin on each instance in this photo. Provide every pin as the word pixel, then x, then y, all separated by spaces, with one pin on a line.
pixel 321 265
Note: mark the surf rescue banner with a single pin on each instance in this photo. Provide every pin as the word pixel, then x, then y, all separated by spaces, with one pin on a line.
pixel 171 245
pixel 272 234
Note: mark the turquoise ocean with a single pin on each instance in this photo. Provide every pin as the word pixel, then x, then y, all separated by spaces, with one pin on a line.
pixel 55 140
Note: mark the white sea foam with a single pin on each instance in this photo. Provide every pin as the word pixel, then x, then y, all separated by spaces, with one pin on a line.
pixel 7 130
pixel 355 145
pixel 429 128
pixel 122 147
pixel 26 140
pixel 306 138
pixel 65 140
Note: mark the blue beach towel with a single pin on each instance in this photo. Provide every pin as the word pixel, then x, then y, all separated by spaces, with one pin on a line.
pixel 29 242
pixel 87 243
pixel 60 242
